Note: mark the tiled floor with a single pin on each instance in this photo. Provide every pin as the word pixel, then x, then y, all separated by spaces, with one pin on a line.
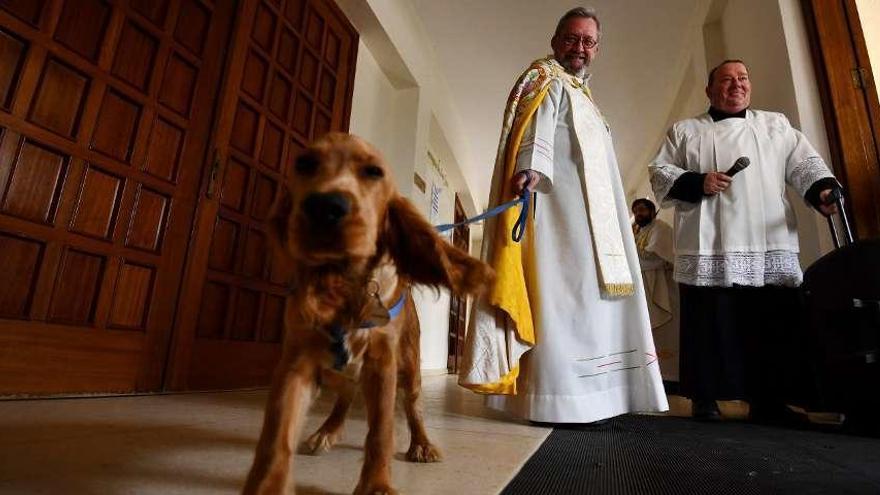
pixel 203 444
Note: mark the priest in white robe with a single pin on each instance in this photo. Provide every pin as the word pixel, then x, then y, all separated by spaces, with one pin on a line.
pixel 654 245
pixel 736 247
pixel 563 336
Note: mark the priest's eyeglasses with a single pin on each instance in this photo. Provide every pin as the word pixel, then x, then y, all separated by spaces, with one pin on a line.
pixel 587 41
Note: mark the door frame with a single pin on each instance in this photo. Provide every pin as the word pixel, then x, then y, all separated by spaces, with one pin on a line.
pixel 458 304
pixel 850 105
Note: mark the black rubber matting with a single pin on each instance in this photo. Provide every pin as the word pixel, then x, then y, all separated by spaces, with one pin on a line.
pixel 665 455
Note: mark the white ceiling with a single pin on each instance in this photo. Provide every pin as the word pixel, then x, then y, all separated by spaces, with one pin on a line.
pixel 483 45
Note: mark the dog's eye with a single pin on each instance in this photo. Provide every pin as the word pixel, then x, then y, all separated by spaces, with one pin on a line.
pixel 306 165
pixel 373 172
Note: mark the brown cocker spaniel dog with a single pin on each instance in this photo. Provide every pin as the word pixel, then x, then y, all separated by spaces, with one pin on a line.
pixel 356 247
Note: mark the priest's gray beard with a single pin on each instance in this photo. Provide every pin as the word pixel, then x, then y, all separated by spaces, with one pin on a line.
pixel 581 74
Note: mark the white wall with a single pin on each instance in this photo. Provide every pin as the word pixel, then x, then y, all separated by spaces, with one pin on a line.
pixel 869 16
pixel 401 106
pixel 384 115
pixel 432 305
pixel 753 32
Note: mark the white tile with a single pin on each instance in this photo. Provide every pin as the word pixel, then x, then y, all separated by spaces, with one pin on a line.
pixel 203 444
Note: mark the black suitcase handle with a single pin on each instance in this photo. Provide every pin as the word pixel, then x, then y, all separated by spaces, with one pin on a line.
pixel 836 197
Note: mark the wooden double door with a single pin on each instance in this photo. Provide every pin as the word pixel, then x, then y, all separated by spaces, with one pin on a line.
pixel 141 145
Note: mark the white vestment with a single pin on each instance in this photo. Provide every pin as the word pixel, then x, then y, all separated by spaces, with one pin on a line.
pixel 746 235
pixel 654 245
pixel 594 357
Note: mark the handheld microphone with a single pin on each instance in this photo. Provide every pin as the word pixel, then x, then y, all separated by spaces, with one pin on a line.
pixel 740 163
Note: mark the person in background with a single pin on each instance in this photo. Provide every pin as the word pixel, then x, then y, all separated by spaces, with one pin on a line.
pixel 654 244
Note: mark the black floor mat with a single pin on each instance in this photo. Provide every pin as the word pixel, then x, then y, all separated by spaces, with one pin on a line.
pixel 664 455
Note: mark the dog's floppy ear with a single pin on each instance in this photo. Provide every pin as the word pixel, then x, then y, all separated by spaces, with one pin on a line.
pixel 424 257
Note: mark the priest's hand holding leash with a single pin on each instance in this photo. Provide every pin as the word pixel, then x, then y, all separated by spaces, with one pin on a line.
pixel 525 179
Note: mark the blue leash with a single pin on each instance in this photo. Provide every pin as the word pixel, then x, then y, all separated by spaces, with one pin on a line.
pixel 519 227
pixel 337 332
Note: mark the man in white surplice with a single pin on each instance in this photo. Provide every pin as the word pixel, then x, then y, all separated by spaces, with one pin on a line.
pixel 583 330
pixel 654 245
pixel 736 248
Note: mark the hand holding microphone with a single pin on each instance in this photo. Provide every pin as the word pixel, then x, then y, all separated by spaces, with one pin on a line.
pixel 716 182
pixel 740 163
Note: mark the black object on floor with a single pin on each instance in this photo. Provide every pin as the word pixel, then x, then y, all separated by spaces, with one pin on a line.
pixel 665 455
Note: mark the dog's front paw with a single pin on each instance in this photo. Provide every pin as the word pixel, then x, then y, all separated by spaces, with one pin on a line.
pixel 320 442
pixel 379 490
pixel 375 490
pixel 423 452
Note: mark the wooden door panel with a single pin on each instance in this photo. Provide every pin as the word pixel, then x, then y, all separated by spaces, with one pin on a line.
pixel 852 110
pixel 28 11
pixel 458 304
pixel 109 360
pixel 132 297
pixel 135 57
pixel 218 363
pixel 153 10
pixel 33 180
pixel 75 296
pixel 82 26
pixel 101 158
pixel 12 55
pixel 97 203
pixel 148 219
pixel 230 323
pixel 59 98
pixel 192 26
pixel 20 261
pixel 178 85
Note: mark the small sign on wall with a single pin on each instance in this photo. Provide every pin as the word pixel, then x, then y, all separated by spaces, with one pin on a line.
pixel 419 182
pixel 436 191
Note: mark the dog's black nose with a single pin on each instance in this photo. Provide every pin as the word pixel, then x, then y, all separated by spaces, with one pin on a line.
pixel 326 208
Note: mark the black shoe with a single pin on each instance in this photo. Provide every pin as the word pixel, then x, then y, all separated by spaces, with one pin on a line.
pixel 776 415
pixel 705 410
pixel 574 426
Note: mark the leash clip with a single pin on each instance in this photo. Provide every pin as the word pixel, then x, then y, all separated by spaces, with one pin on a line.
pixel 377 314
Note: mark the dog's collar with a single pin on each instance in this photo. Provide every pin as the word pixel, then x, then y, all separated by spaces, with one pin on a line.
pixel 393 311
pixel 336 332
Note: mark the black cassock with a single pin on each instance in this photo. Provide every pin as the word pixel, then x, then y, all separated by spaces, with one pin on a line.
pixel 746 343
